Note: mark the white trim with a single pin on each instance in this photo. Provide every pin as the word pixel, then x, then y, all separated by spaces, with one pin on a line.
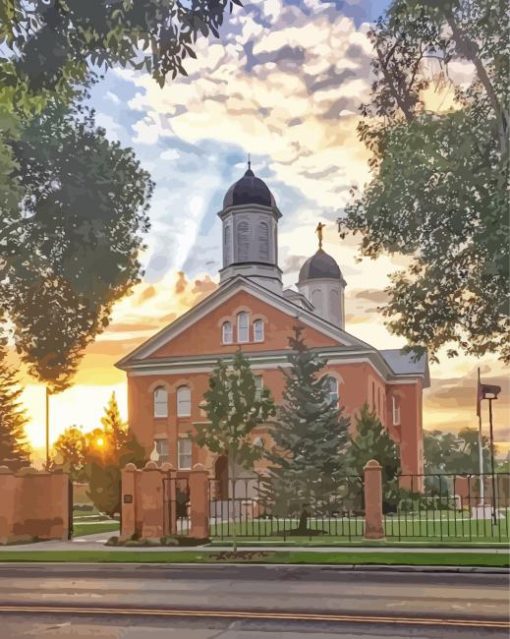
pixel 222 294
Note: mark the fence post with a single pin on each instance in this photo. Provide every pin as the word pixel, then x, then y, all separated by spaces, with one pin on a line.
pixel 128 505
pixel 374 528
pixel 199 502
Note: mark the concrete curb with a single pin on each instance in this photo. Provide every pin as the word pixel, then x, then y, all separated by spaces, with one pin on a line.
pixel 380 568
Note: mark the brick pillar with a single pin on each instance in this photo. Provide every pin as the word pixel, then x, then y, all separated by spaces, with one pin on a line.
pixel 128 505
pixel 374 528
pixel 199 502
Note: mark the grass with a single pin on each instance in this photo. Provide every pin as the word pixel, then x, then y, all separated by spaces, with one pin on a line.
pixel 81 530
pixel 443 526
pixel 287 557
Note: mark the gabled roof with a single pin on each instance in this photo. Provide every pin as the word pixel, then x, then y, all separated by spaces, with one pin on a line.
pixel 220 295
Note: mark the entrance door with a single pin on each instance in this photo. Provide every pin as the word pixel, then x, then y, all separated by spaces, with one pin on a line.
pixel 221 477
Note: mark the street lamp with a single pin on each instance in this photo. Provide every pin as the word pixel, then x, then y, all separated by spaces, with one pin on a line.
pixel 491 392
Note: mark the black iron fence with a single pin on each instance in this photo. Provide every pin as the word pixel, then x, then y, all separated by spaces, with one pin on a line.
pixel 176 506
pixel 447 506
pixel 253 507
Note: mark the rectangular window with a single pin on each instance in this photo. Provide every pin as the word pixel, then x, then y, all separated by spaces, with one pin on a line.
pixel 184 453
pixel 258 330
pixel 162 450
pixel 183 402
pixel 259 386
pixel 396 411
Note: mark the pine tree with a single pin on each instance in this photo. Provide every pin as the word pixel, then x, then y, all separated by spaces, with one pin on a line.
pixel 307 464
pixel 108 450
pixel 370 440
pixel 14 449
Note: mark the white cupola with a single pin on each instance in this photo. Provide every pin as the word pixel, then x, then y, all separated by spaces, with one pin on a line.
pixel 322 283
pixel 250 233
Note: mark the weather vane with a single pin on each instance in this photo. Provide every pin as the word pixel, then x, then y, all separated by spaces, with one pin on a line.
pixel 318 230
pixel 249 160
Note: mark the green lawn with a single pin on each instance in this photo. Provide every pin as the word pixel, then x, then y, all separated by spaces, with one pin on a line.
pixel 82 529
pixel 339 558
pixel 442 526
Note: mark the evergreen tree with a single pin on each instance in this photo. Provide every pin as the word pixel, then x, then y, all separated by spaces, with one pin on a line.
pixel 307 464
pixel 14 449
pixel 108 450
pixel 370 440
pixel 234 407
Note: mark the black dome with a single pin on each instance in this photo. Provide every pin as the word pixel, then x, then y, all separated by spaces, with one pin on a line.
pixel 319 266
pixel 249 190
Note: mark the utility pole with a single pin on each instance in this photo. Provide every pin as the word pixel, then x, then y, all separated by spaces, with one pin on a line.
pixel 494 514
pixel 47 428
pixel 480 446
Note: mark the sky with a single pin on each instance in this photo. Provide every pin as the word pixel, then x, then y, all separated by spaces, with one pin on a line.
pixel 284 84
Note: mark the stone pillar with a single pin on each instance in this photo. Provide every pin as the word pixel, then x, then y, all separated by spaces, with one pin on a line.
pixel 151 498
pixel 374 528
pixel 128 505
pixel 199 502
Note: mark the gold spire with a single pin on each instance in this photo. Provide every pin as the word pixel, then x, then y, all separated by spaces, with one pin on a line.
pixel 318 230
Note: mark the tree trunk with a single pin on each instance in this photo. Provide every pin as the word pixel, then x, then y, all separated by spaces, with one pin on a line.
pixel 303 519
pixel 234 534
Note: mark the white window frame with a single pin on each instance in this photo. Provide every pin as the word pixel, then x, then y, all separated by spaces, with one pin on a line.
pixel 258 330
pixel 163 449
pixel 259 386
pixel 227 337
pixel 336 392
pixel 395 405
pixel 184 455
pixel 243 332
pixel 160 404
pixel 183 401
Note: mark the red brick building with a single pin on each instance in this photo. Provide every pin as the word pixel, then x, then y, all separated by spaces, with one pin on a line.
pixel 168 374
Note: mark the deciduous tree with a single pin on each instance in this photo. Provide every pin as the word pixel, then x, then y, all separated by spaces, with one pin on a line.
pixel 439 186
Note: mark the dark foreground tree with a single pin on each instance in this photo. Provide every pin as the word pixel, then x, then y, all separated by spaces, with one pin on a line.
pixel 370 440
pixel 108 450
pixel 69 451
pixel 308 462
pixel 234 407
pixel 14 449
pixel 439 186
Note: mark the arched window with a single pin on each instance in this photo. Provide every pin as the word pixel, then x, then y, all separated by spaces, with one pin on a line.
pixel 258 330
pixel 263 241
pixel 243 327
pixel 227 246
pixel 332 387
pixel 226 333
pixel 243 241
pixel 183 401
pixel 334 303
pixel 160 397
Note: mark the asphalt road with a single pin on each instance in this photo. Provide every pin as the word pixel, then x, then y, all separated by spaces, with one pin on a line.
pixel 66 601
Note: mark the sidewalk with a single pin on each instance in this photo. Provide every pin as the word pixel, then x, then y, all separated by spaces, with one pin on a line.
pixel 97 542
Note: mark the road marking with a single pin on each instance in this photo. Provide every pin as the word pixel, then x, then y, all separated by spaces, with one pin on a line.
pixel 263 616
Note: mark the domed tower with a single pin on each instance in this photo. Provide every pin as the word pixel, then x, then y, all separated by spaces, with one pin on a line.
pixel 322 283
pixel 250 239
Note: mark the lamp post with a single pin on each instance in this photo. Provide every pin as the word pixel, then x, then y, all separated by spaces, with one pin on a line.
pixel 491 392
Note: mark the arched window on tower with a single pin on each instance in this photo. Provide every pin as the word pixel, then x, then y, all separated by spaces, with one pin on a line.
pixel 160 397
pixel 332 387
pixel 317 300
pixel 243 327
pixel 243 241
pixel 226 333
pixel 263 239
pixel 227 245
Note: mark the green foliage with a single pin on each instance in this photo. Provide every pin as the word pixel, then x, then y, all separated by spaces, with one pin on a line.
pixel 234 408
pixel 70 448
pixel 74 250
pixel 14 450
pixel 439 186
pixel 56 41
pixel 308 461
pixel 447 452
pixel 370 440
pixel 108 450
